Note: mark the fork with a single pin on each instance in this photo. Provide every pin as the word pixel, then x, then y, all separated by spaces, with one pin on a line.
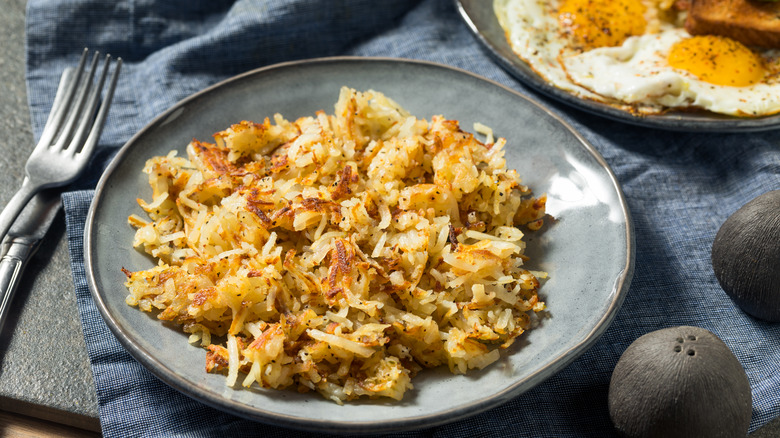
pixel 69 136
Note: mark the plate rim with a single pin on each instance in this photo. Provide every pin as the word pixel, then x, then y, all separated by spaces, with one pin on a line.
pixel 150 363
pixel 678 121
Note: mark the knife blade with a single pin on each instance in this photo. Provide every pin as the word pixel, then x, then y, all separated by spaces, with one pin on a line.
pixel 21 242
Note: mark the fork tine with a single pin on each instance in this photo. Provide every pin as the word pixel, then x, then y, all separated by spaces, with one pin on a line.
pixel 97 126
pixel 88 115
pixel 66 84
pixel 61 106
pixel 76 111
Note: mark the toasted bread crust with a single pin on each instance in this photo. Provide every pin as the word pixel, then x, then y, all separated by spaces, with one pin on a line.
pixel 751 22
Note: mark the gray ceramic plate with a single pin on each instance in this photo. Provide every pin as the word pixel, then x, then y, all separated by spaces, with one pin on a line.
pixel 482 21
pixel 588 251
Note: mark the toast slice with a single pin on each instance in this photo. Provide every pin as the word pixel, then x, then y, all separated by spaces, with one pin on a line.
pixel 751 22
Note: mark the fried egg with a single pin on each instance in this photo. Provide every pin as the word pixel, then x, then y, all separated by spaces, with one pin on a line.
pixel 673 70
pixel 636 55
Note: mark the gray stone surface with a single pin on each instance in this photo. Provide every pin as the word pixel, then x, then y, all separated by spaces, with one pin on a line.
pixel 44 369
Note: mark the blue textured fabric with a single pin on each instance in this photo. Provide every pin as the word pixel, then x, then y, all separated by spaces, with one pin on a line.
pixel 680 187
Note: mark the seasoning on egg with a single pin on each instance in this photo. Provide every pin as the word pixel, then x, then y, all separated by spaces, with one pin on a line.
pixel 718 60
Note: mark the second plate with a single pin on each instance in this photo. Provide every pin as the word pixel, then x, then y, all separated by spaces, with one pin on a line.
pixel 482 21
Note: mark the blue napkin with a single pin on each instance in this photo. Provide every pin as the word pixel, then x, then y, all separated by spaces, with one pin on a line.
pixel 680 187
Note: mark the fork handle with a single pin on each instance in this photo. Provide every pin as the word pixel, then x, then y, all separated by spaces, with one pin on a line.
pixel 11 267
pixel 15 206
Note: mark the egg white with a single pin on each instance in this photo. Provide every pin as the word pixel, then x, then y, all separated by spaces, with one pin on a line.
pixel 532 31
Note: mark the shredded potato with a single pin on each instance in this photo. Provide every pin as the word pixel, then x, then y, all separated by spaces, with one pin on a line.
pixel 339 253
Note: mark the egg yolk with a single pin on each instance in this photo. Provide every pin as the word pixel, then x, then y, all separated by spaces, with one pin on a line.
pixel 718 60
pixel 601 23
